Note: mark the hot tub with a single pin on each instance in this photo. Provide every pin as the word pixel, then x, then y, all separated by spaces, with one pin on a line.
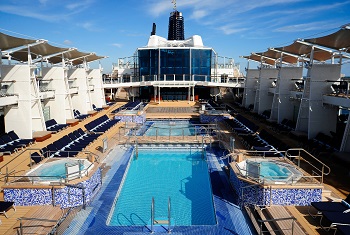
pixel 269 171
pixel 60 170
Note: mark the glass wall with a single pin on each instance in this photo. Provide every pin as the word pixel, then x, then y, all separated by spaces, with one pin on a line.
pixel 175 64
pixel 201 64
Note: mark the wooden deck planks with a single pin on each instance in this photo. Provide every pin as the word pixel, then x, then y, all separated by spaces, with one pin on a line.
pixel 36 227
pixel 285 226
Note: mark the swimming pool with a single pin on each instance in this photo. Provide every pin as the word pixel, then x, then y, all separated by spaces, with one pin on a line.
pixel 181 175
pixel 55 170
pixel 174 128
pixel 269 171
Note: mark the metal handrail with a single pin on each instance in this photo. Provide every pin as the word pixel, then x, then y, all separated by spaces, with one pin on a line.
pixel 278 219
pixel 7 174
pixel 38 149
pixel 32 219
pixel 324 166
pixel 257 179
pixel 152 215
pixel 60 178
pixel 169 215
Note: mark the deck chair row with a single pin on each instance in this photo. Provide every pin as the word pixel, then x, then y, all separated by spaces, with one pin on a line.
pixel 67 146
pixel 129 106
pixel 52 125
pixel 10 143
pixel 241 125
pixel 78 115
pixel 96 109
pixel 334 215
pixel 101 124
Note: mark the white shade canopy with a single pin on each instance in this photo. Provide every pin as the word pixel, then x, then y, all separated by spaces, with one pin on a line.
pixel 40 50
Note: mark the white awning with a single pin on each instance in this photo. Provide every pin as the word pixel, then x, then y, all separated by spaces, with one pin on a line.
pixel 42 50
pixel 8 42
pixel 339 40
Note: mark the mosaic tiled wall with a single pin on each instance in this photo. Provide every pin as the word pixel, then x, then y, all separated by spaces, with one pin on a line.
pixel 278 196
pixel 210 118
pixel 132 118
pixel 65 197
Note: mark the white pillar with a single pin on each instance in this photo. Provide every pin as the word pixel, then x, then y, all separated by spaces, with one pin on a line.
pixel 155 93
pixel 159 95
pixel 193 93
pixel 189 95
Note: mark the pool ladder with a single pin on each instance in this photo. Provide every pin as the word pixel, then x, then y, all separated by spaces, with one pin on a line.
pixel 154 221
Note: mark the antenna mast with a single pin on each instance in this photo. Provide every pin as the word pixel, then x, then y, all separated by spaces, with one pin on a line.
pixel 174 2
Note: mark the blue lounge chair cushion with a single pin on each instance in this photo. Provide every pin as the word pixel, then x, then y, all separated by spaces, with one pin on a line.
pixel 329 206
pixel 5 206
pixel 332 217
pixel 345 204
pixel 343 230
pixel 347 199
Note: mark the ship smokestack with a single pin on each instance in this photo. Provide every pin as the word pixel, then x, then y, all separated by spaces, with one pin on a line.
pixel 176 26
pixel 154 28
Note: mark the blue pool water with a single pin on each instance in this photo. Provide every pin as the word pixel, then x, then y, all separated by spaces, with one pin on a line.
pixel 173 128
pixel 56 170
pixel 180 174
pixel 273 170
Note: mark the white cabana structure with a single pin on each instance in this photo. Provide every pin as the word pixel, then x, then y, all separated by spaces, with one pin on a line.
pixel 40 81
pixel 313 102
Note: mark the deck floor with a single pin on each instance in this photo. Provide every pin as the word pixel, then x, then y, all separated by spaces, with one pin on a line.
pixel 19 163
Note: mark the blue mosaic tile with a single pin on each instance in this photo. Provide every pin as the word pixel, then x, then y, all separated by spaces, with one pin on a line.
pixel 279 196
pixel 210 118
pixel 65 197
pixel 132 118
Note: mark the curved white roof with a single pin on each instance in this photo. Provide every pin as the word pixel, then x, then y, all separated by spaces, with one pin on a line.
pixel 156 41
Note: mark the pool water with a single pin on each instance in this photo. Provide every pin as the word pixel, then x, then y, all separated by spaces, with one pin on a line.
pixel 273 170
pixel 55 170
pixel 180 174
pixel 177 128
pixel 174 128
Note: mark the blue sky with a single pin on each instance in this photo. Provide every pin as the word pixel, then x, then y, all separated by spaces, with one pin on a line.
pixel 116 28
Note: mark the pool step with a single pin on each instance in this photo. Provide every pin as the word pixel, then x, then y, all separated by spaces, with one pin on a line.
pixel 163 222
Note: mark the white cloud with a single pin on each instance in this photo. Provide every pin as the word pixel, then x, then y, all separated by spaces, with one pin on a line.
pixel 50 11
pixel 28 12
pixel 43 2
pixel 231 29
pixel 117 45
pixel 90 26
pixel 76 5
pixel 67 42
pixel 234 16
pixel 307 27
pixel 198 14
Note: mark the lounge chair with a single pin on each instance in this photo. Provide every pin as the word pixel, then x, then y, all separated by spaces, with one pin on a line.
pixel 96 109
pixel 5 206
pixel 332 219
pixel 330 206
pixel 343 230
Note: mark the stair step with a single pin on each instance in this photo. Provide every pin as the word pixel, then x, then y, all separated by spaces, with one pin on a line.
pixel 161 222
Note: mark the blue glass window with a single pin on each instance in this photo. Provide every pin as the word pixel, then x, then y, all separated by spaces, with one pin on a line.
pixel 175 63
